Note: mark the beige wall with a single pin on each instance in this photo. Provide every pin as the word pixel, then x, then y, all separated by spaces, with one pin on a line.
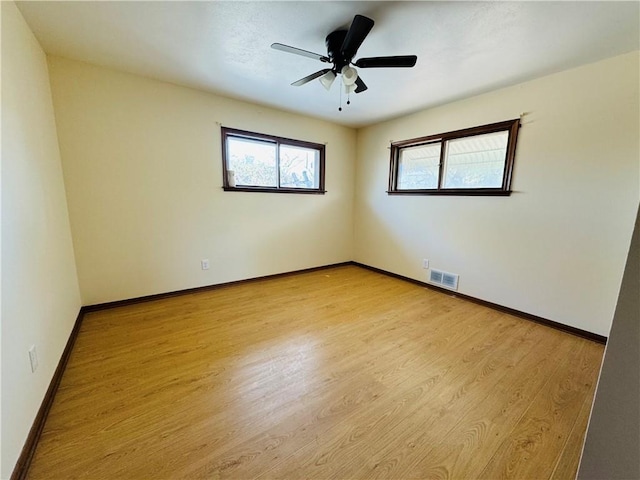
pixel 556 247
pixel 143 171
pixel 40 297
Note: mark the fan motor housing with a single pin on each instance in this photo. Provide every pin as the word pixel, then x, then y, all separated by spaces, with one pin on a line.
pixel 334 43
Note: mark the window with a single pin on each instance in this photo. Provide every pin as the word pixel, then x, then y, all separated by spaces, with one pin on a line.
pixel 254 162
pixel 474 161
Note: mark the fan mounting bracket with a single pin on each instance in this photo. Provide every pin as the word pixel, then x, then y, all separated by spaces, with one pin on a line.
pixel 334 43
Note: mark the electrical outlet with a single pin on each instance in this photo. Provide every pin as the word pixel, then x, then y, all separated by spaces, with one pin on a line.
pixel 425 263
pixel 33 358
pixel 204 263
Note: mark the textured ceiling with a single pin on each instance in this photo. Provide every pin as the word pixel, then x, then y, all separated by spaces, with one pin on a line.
pixel 463 48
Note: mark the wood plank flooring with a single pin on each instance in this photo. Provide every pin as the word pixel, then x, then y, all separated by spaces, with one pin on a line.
pixel 337 373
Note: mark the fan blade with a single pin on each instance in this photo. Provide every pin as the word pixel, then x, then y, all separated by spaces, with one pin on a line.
pixel 299 51
pixel 398 61
pixel 358 31
pixel 308 78
pixel 360 85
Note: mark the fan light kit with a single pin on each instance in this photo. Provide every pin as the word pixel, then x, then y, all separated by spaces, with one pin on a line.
pixel 342 46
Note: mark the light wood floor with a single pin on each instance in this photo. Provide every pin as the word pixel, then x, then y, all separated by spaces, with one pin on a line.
pixel 338 373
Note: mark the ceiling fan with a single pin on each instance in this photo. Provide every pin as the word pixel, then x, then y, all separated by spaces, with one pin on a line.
pixel 342 46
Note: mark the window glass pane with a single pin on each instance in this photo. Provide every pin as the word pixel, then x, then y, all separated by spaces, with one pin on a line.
pixel 299 167
pixel 418 167
pixel 252 161
pixel 475 162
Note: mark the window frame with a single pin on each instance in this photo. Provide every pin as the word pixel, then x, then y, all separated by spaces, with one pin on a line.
pixel 227 132
pixel 510 126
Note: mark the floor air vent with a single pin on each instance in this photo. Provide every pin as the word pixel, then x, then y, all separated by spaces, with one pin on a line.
pixel 444 279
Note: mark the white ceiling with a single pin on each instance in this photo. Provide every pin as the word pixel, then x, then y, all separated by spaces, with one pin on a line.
pixel 463 48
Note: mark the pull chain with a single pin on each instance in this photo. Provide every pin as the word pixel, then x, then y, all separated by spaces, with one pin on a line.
pixel 348 100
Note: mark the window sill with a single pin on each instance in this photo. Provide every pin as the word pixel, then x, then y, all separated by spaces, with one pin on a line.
pixel 487 192
pixel 306 191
